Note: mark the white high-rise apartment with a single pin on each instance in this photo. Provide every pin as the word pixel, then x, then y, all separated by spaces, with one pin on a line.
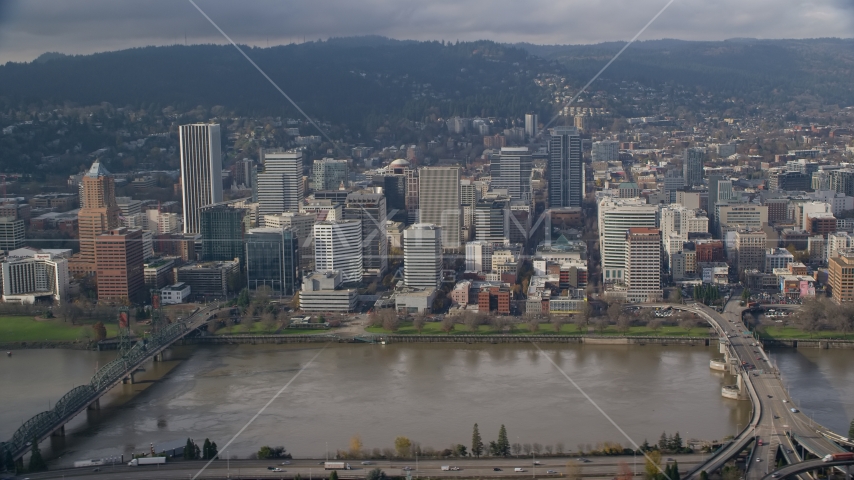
pixel 616 216
pixel 422 256
pixel 479 256
pixel 280 186
pixel 440 202
pixel 34 275
pixel 643 264
pixel 201 170
pixel 513 173
pixel 338 246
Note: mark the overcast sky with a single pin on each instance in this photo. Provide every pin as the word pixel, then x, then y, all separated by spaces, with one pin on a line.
pixel 29 28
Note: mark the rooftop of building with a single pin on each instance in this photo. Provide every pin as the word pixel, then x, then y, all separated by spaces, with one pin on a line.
pixel 97 170
pixel 176 287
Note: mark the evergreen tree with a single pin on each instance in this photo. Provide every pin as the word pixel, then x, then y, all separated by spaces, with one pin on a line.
pixel 206 450
pixel 503 445
pixel 213 450
pixel 189 450
pixel 676 443
pixel 2 462
pixel 10 463
pixel 674 472
pixel 704 475
pixel 197 453
pixel 662 442
pixel 851 430
pixel 36 461
pixel 645 446
pixel 477 442
pixel 333 475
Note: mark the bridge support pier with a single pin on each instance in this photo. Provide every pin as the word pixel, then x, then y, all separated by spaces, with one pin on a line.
pixel 96 405
pixel 59 432
pixel 128 380
pixel 158 357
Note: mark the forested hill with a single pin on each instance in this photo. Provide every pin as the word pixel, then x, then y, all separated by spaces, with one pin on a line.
pixel 340 80
pixel 762 71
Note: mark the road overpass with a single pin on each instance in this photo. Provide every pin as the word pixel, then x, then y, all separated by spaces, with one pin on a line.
pixel 775 420
pixel 53 421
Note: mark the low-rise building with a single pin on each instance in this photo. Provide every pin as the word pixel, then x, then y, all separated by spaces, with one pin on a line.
pixel 414 299
pixel 322 292
pixel 158 272
pixel 174 294
pixel 207 279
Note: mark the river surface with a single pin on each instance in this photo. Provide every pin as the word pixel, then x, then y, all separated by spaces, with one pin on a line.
pixel 431 393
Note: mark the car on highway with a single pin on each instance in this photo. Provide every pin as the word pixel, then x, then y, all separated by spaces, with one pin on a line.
pixel 585 460
pixel 496 469
pixel 286 463
pixel 775 475
pixel 794 410
pixel 367 463
pixel 406 469
pixel 769 396
pixel 758 459
pixel 551 472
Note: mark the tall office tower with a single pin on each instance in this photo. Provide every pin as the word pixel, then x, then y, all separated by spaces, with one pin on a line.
pixel 605 151
pixel 643 264
pixel 272 260
pixel 370 209
pixel 12 233
pixel 34 276
pixel 338 246
pixel 222 228
pixel 302 224
pixel 469 192
pixel 492 219
pixel 841 181
pixel 514 172
pixel 566 168
pixel 394 189
pixel 201 171
pixel 422 256
pixel 99 213
pixel 616 215
pixel 750 248
pixel 531 125
pixel 692 166
pixel 119 265
pixel 440 203
pixel 280 186
pixel 330 174
pixel 479 257
pixel 241 172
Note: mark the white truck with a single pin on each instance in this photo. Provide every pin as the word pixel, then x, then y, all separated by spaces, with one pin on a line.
pixel 146 461
pixel 517 469
pixel 336 466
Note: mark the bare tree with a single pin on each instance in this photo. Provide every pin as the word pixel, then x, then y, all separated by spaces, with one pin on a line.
pixel 557 324
pixel 471 321
pixel 448 324
pixel 533 325
pixel 601 324
pixel 499 323
pixel 655 325
pixel 517 448
pixel 391 323
pixel 419 322
pixel 688 324
pixel 624 323
pixel 537 448
pixel 526 447
pixel 559 448
pixel 549 449
pixel 581 322
pixel 615 311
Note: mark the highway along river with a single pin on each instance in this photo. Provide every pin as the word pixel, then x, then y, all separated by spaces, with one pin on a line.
pixel 431 393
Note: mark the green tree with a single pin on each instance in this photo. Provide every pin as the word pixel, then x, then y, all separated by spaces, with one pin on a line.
pixel 662 441
pixel 477 441
pixel 264 453
pixel 213 450
pixel 206 450
pixel 652 466
pixel 376 474
pixel 674 471
pixel 243 298
pixel 189 450
pixel 460 450
pixel 333 475
pixel 503 444
pixel 704 475
pixel 676 442
pixel 37 463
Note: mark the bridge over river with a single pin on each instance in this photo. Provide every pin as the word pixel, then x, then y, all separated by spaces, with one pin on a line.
pixel 776 425
pixel 52 422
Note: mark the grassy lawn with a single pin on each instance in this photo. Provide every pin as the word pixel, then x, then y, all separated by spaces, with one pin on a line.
pixel 435 328
pixel 788 333
pixel 261 329
pixel 27 329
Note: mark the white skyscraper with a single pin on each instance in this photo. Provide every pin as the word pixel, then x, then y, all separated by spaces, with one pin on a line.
pixel 338 246
pixel 616 216
pixel 422 256
pixel 440 202
pixel 513 172
pixel 280 186
pixel 479 256
pixel 201 170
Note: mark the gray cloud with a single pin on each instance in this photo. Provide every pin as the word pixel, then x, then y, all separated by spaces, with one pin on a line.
pixel 31 27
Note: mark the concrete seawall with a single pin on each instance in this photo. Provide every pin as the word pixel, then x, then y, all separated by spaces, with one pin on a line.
pixel 583 339
pixel 808 343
